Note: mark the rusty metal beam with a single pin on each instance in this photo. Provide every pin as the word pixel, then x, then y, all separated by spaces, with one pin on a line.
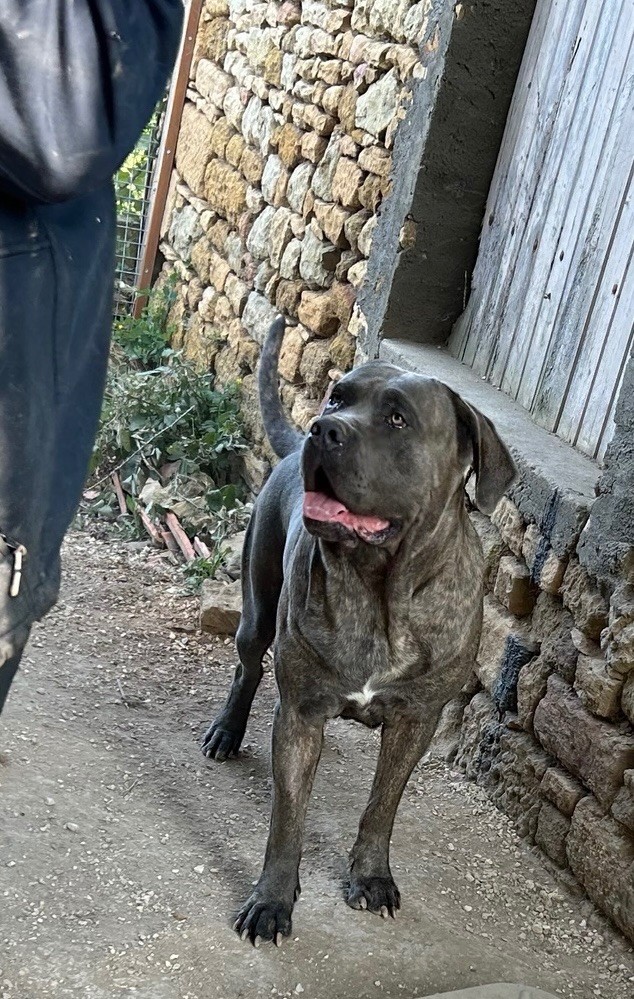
pixel 167 149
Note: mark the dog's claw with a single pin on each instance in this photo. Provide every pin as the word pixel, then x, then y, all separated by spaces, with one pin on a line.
pixel 378 894
pixel 220 743
pixel 262 919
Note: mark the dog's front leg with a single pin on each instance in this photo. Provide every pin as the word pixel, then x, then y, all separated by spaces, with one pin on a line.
pixel 295 754
pixel 371 885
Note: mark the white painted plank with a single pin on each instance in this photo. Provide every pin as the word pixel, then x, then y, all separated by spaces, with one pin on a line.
pixel 609 423
pixel 495 336
pixel 606 438
pixel 603 337
pixel 516 192
pixel 609 427
pixel 589 260
pixel 460 336
pixel 599 376
pixel 567 178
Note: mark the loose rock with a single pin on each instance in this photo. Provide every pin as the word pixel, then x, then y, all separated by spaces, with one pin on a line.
pixel 220 607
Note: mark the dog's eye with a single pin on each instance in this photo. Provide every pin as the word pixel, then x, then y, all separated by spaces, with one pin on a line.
pixel 397 421
pixel 334 402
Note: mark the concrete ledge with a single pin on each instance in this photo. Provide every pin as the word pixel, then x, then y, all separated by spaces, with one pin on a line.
pixel 499 991
pixel 557 484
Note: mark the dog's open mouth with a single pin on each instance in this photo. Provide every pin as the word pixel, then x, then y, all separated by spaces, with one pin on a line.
pixel 321 505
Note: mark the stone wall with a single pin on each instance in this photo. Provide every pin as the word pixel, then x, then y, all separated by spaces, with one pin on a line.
pixel 549 728
pixel 301 144
pixel 283 160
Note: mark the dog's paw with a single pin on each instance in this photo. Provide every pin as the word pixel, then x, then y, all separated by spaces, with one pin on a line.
pixel 220 742
pixel 263 918
pixel 377 894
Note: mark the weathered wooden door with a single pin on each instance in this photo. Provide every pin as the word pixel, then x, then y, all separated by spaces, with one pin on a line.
pixel 550 317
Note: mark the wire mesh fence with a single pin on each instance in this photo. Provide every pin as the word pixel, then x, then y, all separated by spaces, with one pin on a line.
pixel 133 191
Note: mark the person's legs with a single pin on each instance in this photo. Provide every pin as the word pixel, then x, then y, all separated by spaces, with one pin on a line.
pixel 54 338
pixel 27 430
pixel 84 305
pixel 7 672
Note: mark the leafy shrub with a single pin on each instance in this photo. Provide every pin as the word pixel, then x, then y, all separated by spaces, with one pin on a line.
pixel 145 339
pixel 169 414
pixel 200 569
pixel 170 435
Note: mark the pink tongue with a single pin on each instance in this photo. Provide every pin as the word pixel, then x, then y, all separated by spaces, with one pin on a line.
pixel 318 506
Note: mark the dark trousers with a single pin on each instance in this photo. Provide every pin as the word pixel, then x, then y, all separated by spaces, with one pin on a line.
pixel 55 319
pixel 7 673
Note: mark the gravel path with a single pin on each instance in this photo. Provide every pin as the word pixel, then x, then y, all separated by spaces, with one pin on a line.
pixel 124 853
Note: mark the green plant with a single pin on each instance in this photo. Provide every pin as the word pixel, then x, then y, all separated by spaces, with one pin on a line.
pixel 144 339
pixel 169 434
pixel 200 569
pixel 171 413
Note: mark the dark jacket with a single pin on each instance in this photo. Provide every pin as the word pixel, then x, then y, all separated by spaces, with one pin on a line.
pixel 78 81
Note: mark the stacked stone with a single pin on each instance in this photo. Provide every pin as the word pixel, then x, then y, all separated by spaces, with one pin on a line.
pixel 550 731
pixel 282 163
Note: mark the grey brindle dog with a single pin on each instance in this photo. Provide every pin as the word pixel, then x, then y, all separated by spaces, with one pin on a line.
pixel 361 565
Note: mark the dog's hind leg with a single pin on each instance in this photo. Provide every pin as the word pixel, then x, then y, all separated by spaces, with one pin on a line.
pixel 371 885
pixel 261 586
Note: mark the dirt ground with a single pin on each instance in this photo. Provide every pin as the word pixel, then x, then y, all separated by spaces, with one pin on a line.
pixel 124 853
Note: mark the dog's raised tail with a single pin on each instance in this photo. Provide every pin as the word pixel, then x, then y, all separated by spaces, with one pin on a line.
pixel 283 438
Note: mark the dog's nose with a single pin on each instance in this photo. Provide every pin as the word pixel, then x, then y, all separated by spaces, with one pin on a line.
pixel 329 432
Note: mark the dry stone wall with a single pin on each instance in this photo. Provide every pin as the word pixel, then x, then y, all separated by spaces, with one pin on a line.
pixel 550 730
pixel 283 160
pixel 284 164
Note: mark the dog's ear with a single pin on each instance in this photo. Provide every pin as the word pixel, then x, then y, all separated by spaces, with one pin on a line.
pixel 480 445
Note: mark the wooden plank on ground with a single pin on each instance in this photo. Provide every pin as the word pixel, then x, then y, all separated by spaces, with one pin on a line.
pixel 116 481
pixel 180 537
pixel 201 548
pixel 151 528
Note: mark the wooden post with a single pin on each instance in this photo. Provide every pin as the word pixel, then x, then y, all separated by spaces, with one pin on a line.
pixel 167 148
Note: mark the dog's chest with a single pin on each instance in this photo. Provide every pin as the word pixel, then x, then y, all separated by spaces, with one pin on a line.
pixel 349 622
pixel 356 667
pixel 340 641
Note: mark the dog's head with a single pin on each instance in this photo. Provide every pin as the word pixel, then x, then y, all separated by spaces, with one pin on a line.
pixel 391 446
